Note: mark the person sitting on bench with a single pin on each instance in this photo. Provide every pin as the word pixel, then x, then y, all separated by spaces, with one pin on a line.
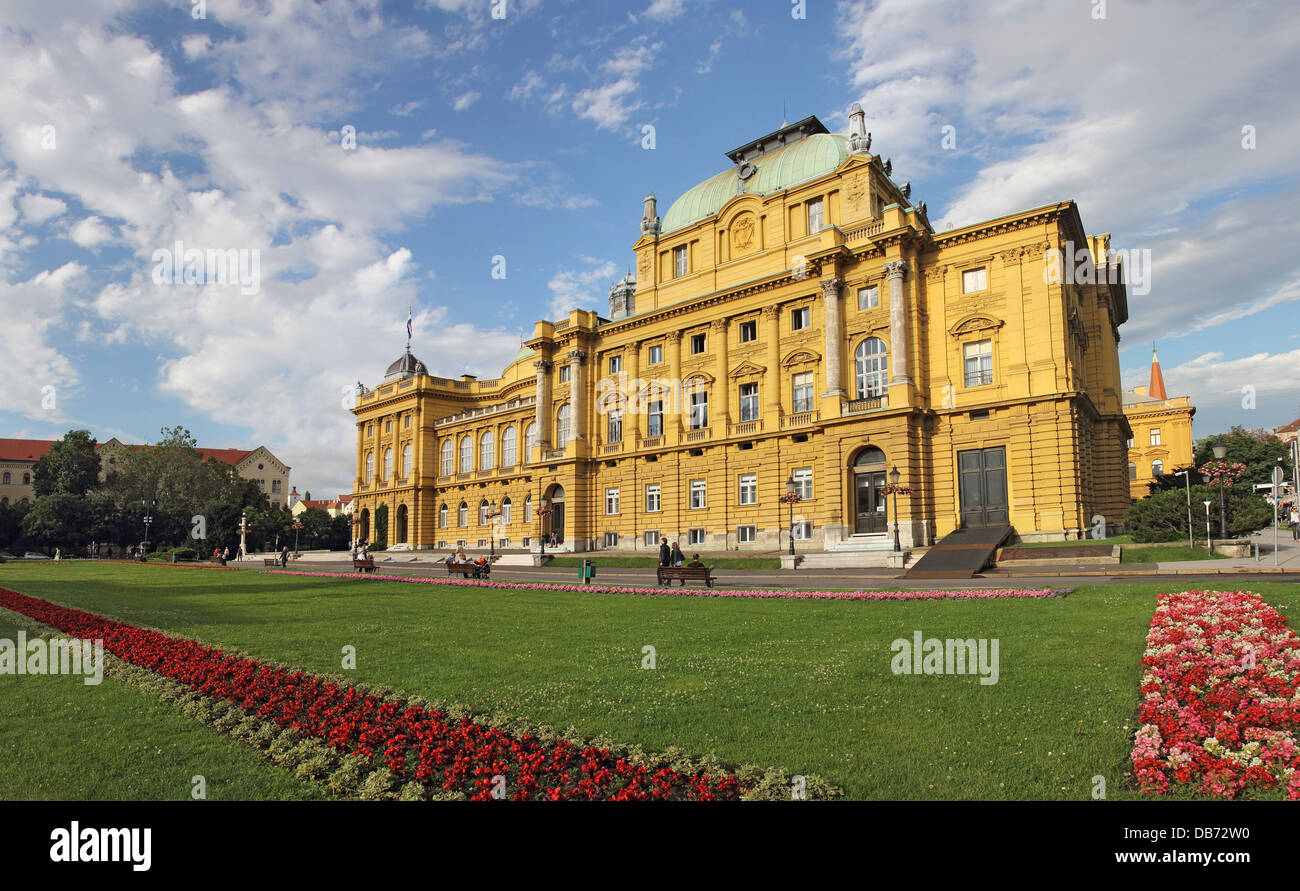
pixel 695 562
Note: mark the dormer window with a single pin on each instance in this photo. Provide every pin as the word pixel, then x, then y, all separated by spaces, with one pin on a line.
pixel 680 266
pixel 815 218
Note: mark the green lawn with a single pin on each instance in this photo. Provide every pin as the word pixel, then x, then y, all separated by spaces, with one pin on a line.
pixel 802 685
pixel 62 739
pixel 1166 554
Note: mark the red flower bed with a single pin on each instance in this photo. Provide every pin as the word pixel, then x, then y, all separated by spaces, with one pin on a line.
pixel 1219 710
pixel 414 743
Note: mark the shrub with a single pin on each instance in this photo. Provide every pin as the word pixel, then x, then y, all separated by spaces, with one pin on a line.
pixel 1162 516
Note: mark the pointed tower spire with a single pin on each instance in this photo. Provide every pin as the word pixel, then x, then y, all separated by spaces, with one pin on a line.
pixel 1156 389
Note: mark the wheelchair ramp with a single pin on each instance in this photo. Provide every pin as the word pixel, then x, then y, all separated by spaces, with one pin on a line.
pixel 960 554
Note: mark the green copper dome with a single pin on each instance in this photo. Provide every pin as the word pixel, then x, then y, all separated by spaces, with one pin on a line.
pixel 809 158
pixel 524 353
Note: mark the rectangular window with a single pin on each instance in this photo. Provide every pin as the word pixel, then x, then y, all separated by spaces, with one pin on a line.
pixel 803 392
pixel 815 216
pixel 652 498
pixel 407 422
pixel 526 542
pixel 748 488
pixel 699 410
pixel 679 261
pixel 615 431
pixel 698 343
pixel 656 355
pixel 261 485
pixel 611 501
pixel 482 543
pixel 697 494
pixel 974 280
pixel 803 482
pixel 655 420
pixel 868 298
pixel 275 487
pixel 696 536
pixel 650 538
pixel 388 426
pixel 1155 436
pixel 611 539
pixel 803 531
pixel 615 364
pixel 978 358
pixel 749 402
pixel 800 318
pixel 1130 444
pixel 564 374
pixel 370 430
pixel 748 331
pixel 746 534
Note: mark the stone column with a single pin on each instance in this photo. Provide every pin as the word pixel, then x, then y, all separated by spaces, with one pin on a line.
pixel 772 383
pixel 673 407
pixel 894 270
pixel 718 331
pixel 577 425
pixel 633 405
pixel 543 415
pixel 834 337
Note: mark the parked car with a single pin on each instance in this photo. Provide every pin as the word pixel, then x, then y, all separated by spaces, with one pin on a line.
pixel 5 555
pixel 32 555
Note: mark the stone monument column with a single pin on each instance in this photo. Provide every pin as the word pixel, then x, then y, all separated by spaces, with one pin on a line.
pixel 772 384
pixel 543 415
pixel 718 330
pixel 577 425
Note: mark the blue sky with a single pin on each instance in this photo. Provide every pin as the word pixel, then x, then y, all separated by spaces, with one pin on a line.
pixel 126 125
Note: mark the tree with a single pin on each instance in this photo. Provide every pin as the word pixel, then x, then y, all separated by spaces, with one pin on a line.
pixel 11 533
pixel 59 521
pixel 70 467
pixel 1162 516
pixel 1258 450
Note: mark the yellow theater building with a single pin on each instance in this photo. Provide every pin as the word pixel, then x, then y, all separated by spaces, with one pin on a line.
pixel 1162 439
pixel 795 324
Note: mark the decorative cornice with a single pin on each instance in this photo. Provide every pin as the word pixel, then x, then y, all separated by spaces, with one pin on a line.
pixel 895 269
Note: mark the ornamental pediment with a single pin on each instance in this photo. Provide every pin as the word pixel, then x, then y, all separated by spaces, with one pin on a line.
pixel 973 323
pixel 800 357
pixel 745 369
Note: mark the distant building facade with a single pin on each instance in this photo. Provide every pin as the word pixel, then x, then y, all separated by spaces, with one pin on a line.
pixel 1162 432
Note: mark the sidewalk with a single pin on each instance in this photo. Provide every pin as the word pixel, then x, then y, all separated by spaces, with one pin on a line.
pixel 1288 557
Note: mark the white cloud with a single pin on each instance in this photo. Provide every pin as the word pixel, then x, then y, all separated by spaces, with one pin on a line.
pixel 586 288
pixel 465 100
pixel 665 10
pixel 90 232
pixel 39 208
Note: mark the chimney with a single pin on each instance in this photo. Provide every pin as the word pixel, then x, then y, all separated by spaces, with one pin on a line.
pixel 650 217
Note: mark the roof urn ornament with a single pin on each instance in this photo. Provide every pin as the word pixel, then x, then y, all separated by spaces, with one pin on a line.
pixel 859 138
pixel 650 216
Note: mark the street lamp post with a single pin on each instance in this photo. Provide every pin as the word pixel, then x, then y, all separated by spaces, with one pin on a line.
pixel 297 524
pixel 1187 478
pixel 1221 452
pixel 1209 544
pixel 894 477
pixel 243 533
pixel 541 522
pixel 791 497
pixel 148 521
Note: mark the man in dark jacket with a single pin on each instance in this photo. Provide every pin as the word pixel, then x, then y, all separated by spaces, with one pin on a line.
pixel 664 553
pixel 284 556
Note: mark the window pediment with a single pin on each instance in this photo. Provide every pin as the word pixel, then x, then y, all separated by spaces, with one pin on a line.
pixel 975 323
pixel 800 357
pixel 745 369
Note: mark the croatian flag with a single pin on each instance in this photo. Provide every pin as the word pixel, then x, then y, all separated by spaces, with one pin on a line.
pixel 409 317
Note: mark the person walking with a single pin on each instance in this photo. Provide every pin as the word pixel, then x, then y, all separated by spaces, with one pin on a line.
pixel 1295 523
pixel 284 557
pixel 225 555
pixel 58 555
pixel 676 556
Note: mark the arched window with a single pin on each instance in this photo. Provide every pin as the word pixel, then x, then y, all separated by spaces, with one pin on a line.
pixel 510 447
pixel 462 515
pixel 370 466
pixel 483 510
pixel 6 478
pixel 487 451
pixel 4 502
pixel 528 509
pixel 466 454
pixel 442 517
pixel 408 454
pixel 505 511
pixel 530 440
pixel 448 457
pixel 562 425
pixel 1132 471
pixel 871 368
pixel 388 464
pixel 1157 467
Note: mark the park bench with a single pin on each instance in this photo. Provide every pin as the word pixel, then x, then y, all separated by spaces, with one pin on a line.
pixel 366 565
pixel 270 561
pixel 686 574
pixel 470 570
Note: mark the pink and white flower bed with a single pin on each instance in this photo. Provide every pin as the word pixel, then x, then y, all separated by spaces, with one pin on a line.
pixel 1219 708
pixel 774 593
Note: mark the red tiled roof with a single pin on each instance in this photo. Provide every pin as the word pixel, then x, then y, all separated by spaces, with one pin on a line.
pixel 346 498
pixel 24 449
pixel 319 505
pixel 1289 428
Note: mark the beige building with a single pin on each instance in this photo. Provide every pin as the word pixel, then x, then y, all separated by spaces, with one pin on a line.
pixel 1162 439
pixel 18 459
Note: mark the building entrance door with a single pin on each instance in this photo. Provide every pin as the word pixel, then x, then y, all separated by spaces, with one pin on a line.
pixel 983 482
pixel 869 503
pixel 557 513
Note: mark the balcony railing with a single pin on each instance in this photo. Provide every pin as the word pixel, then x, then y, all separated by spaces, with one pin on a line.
pixel 871 403
pixel 464 476
pixel 611 448
pixel 800 419
pixel 649 442
pixel 701 435
pixel 978 378
pixel 552 454
pixel 745 428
